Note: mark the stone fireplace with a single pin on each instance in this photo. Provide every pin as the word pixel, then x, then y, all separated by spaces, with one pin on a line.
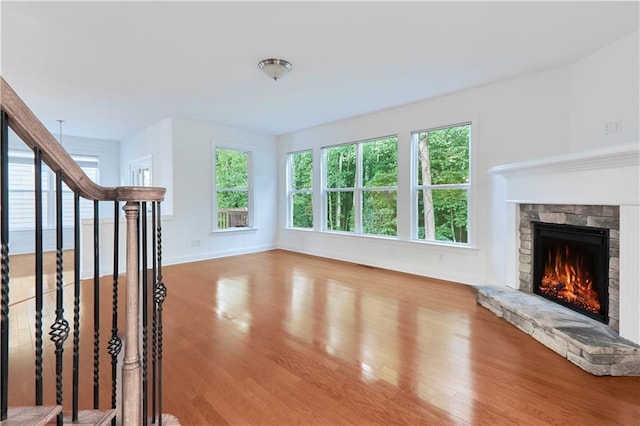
pixel 605 219
pixel 597 191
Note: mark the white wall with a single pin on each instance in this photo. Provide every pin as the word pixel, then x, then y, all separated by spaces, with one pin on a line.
pixel 512 120
pixel 604 88
pixel 538 115
pixel 187 213
pixel 155 141
pixel 187 234
pixel 107 152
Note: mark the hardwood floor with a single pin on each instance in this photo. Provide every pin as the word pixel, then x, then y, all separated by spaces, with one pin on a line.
pixel 278 338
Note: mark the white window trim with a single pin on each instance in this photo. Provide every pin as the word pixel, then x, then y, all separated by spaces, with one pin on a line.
pixel 251 210
pixel 358 190
pixel 49 215
pixel 471 235
pixel 291 191
pixel 136 168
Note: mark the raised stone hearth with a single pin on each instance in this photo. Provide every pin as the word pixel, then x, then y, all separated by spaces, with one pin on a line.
pixel 587 343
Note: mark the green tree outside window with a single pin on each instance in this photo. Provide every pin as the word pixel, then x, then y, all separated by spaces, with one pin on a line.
pixel 301 189
pixel 232 188
pixel 443 183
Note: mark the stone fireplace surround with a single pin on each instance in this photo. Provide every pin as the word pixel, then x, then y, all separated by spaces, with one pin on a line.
pixel 591 216
pixel 598 188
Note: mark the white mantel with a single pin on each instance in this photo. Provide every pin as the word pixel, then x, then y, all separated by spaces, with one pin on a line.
pixel 609 176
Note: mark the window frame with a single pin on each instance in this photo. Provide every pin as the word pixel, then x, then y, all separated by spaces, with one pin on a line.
pixel 415 188
pixel 141 169
pixel 49 189
pixel 291 191
pixel 250 189
pixel 358 189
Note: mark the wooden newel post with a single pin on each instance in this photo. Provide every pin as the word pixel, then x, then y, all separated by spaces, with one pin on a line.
pixel 131 367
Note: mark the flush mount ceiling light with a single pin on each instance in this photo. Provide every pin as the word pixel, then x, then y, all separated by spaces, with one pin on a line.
pixel 275 68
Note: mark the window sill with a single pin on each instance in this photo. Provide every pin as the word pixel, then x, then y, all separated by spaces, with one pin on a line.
pixel 292 228
pixel 233 230
pixel 447 244
pixel 393 240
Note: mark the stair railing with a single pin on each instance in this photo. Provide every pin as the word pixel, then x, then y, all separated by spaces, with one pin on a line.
pixel 135 367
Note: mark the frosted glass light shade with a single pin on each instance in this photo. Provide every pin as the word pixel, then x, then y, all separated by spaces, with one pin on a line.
pixel 275 68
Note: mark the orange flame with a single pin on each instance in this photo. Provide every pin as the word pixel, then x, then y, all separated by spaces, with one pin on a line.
pixel 566 278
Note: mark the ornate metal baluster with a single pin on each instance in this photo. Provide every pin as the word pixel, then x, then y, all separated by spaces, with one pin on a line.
pixel 76 305
pixel 159 295
pixel 154 326
pixel 4 249
pixel 37 162
pixel 96 305
pixel 115 344
pixel 145 313
pixel 60 328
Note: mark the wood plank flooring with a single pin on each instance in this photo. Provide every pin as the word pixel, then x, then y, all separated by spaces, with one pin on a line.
pixel 279 338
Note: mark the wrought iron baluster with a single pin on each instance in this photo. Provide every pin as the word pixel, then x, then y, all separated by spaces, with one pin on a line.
pixel 145 312
pixel 96 305
pixel 37 162
pixel 159 295
pixel 60 328
pixel 76 305
pixel 115 344
pixel 4 253
pixel 154 325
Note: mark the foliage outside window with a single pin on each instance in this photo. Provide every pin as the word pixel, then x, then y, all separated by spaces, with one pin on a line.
pixel 301 189
pixel 442 187
pixel 362 186
pixel 22 192
pixel 232 188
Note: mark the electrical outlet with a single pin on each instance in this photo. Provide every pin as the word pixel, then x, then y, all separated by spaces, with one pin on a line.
pixel 195 243
pixel 616 126
pixel 607 127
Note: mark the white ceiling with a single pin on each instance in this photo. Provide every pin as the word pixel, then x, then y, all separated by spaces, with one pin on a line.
pixel 112 68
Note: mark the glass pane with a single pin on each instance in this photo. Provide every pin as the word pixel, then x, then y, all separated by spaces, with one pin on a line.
pixel 231 169
pixel 379 212
pixel 21 176
pixel 340 214
pixel 380 162
pixel 446 220
pixel 443 155
pixel 21 210
pixel 92 172
pixel 302 170
pixel 67 208
pixel 302 211
pixel 86 208
pixel 341 166
pixel 232 209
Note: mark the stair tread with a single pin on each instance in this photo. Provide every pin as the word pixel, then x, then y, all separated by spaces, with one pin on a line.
pixel 37 415
pixel 92 417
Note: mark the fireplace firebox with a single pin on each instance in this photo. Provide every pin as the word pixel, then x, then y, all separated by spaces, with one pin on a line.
pixel 571 267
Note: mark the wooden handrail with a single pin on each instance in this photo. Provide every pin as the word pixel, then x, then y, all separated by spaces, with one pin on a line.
pixel 33 133
pixel 27 126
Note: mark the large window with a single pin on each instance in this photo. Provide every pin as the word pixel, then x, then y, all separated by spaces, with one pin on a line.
pixel 442 183
pixel 22 192
pixel 361 186
pixel 232 189
pixel 300 165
